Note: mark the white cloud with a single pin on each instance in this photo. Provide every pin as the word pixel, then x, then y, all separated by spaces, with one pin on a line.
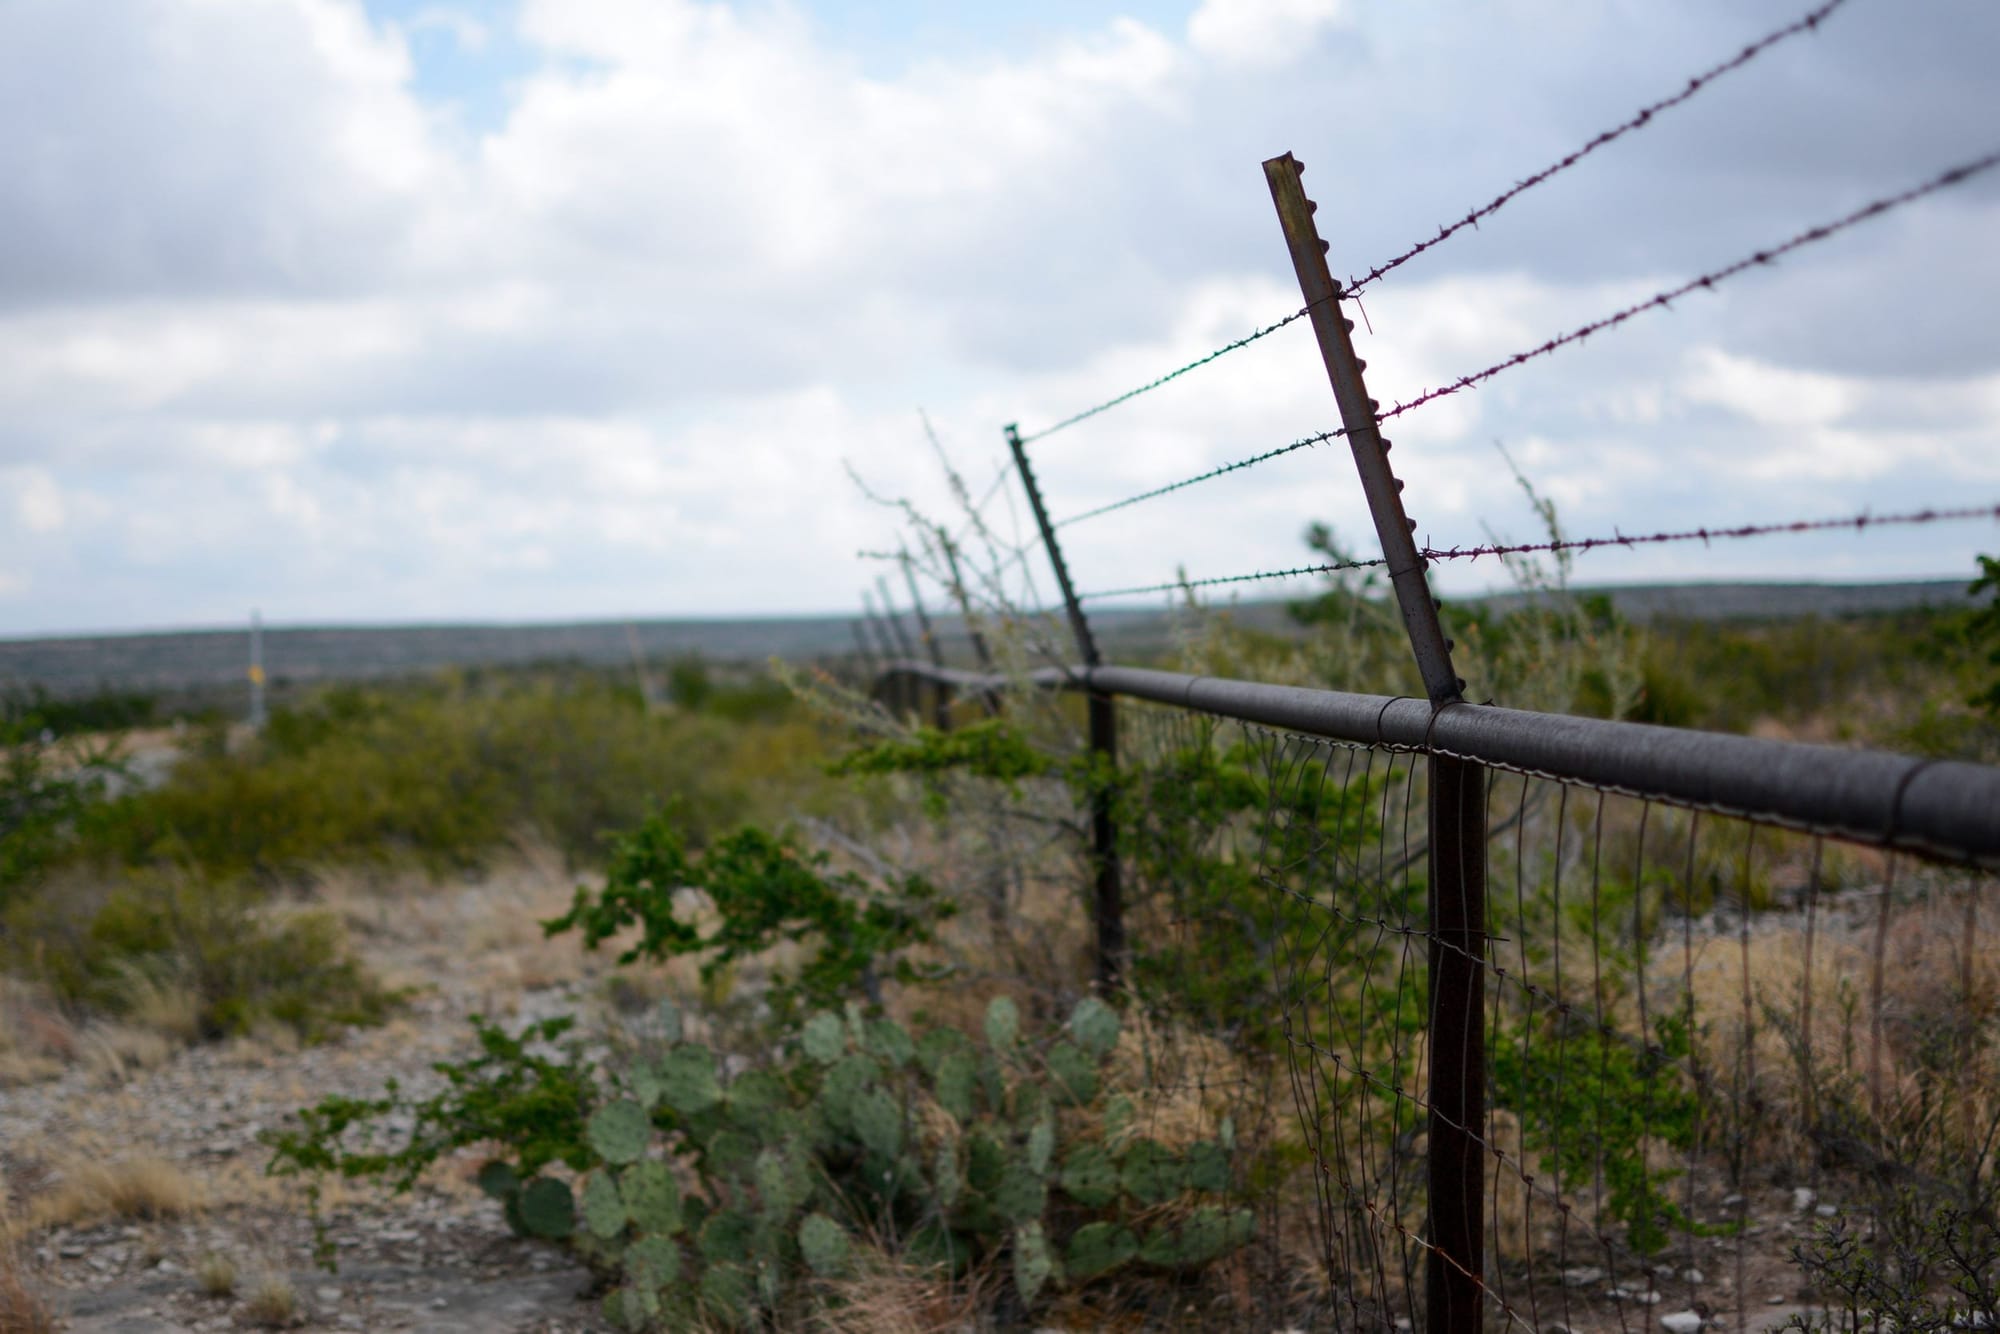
pixel 38 499
pixel 1261 32
pixel 463 28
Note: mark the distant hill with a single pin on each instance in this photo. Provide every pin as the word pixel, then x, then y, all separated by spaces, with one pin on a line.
pixel 203 660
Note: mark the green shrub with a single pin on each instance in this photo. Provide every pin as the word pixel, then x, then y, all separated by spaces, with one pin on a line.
pixel 765 890
pixel 245 964
pixel 442 776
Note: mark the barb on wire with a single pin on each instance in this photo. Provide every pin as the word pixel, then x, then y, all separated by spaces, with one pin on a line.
pixel 1858 522
pixel 1170 376
pixel 1252 461
pixel 1176 584
pixel 1808 23
pixel 1963 172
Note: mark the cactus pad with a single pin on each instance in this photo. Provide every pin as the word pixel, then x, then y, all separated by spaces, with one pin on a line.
pixel 1117 1117
pixel 1033 1265
pixel 824 1244
pixel 1041 1145
pixel 619 1131
pixel 945 1182
pixel 784 1181
pixel 652 1200
pixel 653 1263
pixel 547 1209
pixel 1003 1024
pixel 938 1044
pixel 1203 1235
pixel 1151 1173
pixel 1090 1177
pixel 728 1292
pixel 1099 1248
pixel 687 1079
pixel 955 1086
pixel 670 1020
pixel 1075 1073
pixel 644 1080
pixel 823 1038
pixel 1021 1194
pixel 1208 1167
pixel 758 1100
pixel 603 1207
pixel 1095 1026
pixel 499 1179
pixel 725 1237
pixel 878 1122
pixel 888 1040
pixel 939 1248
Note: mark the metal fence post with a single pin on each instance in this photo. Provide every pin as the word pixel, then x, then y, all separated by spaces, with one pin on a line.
pixel 1109 909
pixel 1454 1266
pixel 989 698
pixel 864 656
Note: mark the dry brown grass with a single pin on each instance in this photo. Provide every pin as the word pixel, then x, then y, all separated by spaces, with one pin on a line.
pixel 271 1301
pixel 36 1040
pixel 22 1308
pixel 884 1297
pixel 215 1275
pixel 140 1187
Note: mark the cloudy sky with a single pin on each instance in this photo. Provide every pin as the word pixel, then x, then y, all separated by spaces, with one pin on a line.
pixel 388 310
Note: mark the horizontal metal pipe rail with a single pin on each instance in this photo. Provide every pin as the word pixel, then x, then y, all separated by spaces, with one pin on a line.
pixel 1946 808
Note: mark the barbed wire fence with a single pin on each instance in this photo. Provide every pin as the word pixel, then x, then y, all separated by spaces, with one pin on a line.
pixel 1578 1026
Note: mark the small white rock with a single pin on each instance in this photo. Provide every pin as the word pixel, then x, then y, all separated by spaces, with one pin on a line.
pixel 1681 1322
pixel 1582 1277
pixel 1803 1198
pixel 1695 1276
pixel 1775 1299
pixel 1826 1211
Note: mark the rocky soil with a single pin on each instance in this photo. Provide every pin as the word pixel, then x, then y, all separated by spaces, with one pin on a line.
pixel 438 1259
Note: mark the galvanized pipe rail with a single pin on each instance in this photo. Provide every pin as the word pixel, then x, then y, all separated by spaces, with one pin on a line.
pixel 1944 808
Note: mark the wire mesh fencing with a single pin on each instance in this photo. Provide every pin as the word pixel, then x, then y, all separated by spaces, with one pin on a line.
pixel 1735 1075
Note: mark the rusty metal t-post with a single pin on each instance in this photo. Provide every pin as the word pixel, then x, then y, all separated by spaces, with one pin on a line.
pixel 1109 909
pixel 1454 1265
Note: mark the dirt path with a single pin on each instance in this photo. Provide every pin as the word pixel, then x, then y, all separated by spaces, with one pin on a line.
pixel 186 1132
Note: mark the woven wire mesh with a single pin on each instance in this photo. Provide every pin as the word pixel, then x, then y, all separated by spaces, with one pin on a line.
pixel 1733 1071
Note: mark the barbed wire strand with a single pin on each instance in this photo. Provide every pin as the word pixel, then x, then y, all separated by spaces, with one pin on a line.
pixel 1708 281
pixel 1250 462
pixel 1662 300
pixel 1807 23
pixel 1859 522
pixel 1168 378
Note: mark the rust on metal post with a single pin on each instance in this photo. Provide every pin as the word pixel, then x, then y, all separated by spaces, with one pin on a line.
pixel 1364 436
pixel 1454 1264
pixel 1109 909
pixel 940 699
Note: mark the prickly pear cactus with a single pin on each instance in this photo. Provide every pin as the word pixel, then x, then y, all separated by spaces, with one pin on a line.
pixel 1151 1172
pixel 1022 1193
pixel 729 1293
pixel 888 1039
pixel 1041 1144
pixel 824 1245
pixel 1098 1248
pixel 1003 1024
pixel 618 1132
pixel 877 1119
pixel 1034 1266
pixel 1201 1237
pixel 758 1103
pixel 1089 1176
pixel 653 1263
pixel 1075 1073
pixel 687 1079
pixel 955 1085
pixel 824 1038
pixel 652 1199
pixel 603 1207
pixel 499 1179
pixel 725 1237
pixel 547 1209
pixel 1207 1167
pixel 784 1181
pixel 1095 1026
